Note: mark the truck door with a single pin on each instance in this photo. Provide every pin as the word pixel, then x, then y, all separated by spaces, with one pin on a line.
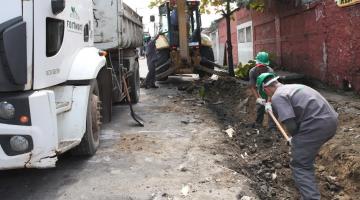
pixel 58 38
pixel 15 46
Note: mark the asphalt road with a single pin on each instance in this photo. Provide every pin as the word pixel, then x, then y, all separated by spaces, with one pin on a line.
pixel 174 156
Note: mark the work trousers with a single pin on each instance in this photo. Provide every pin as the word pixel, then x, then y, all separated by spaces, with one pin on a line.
pixel 305 147
pixel 260 112
pixel 151 75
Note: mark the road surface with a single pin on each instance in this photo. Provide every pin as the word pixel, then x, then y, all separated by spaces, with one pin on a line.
pixel 175 156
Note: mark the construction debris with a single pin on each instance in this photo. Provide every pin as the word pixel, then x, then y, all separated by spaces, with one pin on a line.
pixel 185 190
pixel 267 159
pixel 230 132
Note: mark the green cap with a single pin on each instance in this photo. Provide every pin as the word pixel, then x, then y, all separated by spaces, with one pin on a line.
pixel 262 58
pixel 260 82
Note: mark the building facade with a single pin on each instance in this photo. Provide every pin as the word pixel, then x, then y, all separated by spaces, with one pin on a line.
pixel 317 38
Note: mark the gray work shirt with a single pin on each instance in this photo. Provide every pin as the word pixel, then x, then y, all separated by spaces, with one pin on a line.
pixel 310 110
pixel 255 72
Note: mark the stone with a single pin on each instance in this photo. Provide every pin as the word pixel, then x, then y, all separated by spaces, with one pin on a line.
pixel 278 165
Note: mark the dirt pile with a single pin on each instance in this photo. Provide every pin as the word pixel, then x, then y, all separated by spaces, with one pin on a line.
pixel 339 160
pixel 264 156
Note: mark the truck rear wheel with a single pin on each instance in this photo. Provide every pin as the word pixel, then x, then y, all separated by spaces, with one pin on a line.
pixel 91 139
pixel 135 84
pixel 206 52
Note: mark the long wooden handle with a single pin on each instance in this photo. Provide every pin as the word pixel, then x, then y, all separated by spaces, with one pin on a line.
pixel 278 125
pixel 126 89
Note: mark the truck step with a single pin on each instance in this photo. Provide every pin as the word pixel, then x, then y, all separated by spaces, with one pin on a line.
pixel 67 145
pixel 62 107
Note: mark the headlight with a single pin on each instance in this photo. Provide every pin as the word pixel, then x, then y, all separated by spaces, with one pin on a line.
pixel 19 143
pixel 7 110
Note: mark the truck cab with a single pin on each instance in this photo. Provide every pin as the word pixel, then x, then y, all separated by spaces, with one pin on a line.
pixel 55 86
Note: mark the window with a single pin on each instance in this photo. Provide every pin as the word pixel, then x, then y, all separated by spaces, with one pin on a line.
pixel 241 36
pixel 54 36
pixel 244 35
pixel 86 33
pixel 248 34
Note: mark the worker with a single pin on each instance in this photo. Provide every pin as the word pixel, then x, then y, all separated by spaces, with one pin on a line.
pixel 151 63
pixel 262 66
pixel 310 120
pixel 146 40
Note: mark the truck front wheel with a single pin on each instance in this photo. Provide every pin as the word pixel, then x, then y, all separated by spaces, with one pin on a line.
pixel 91 139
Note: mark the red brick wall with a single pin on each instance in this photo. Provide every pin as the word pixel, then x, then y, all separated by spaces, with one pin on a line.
pixel 243 16
pixel 238 17
pixel 343 43
pixel 233 24
pixel 320 40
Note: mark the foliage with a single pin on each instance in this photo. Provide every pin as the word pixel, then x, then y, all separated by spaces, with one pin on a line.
pixel 242 71
pixel 257 5
pixel 218 6
pixel 155 3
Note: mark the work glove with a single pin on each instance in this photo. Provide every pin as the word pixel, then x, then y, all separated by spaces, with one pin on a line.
pixel 260 101
pixel 268 106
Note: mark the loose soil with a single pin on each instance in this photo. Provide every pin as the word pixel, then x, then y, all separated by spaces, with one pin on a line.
pixel 264 157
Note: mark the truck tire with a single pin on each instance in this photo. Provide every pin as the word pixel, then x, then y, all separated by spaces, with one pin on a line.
pixel 207 53
pixel 162 56
pixel 105 88
pixel 134 80
pixel 91 139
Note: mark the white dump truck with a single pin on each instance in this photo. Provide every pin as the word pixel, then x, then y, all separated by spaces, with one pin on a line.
pixel 57 85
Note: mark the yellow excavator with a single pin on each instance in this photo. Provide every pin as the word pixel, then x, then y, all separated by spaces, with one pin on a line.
pixel 181 48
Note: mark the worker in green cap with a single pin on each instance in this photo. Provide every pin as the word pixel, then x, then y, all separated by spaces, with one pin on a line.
pixel 262 66
pixel 310 120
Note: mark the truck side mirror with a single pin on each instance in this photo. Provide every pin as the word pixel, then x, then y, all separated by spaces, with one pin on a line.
pixel 152 18
pixel 57 6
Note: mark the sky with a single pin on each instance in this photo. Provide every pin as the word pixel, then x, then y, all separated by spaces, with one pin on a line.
pixel 141 7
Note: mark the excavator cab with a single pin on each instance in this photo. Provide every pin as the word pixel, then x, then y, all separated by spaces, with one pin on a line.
pixel 180 45
pixel 169 22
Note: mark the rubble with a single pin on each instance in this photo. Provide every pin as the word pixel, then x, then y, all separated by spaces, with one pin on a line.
pixel 185 190
pixel 267 158
pixel 230 132
pixel 247 198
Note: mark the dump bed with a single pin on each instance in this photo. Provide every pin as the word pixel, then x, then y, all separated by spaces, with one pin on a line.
pixel 116 25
